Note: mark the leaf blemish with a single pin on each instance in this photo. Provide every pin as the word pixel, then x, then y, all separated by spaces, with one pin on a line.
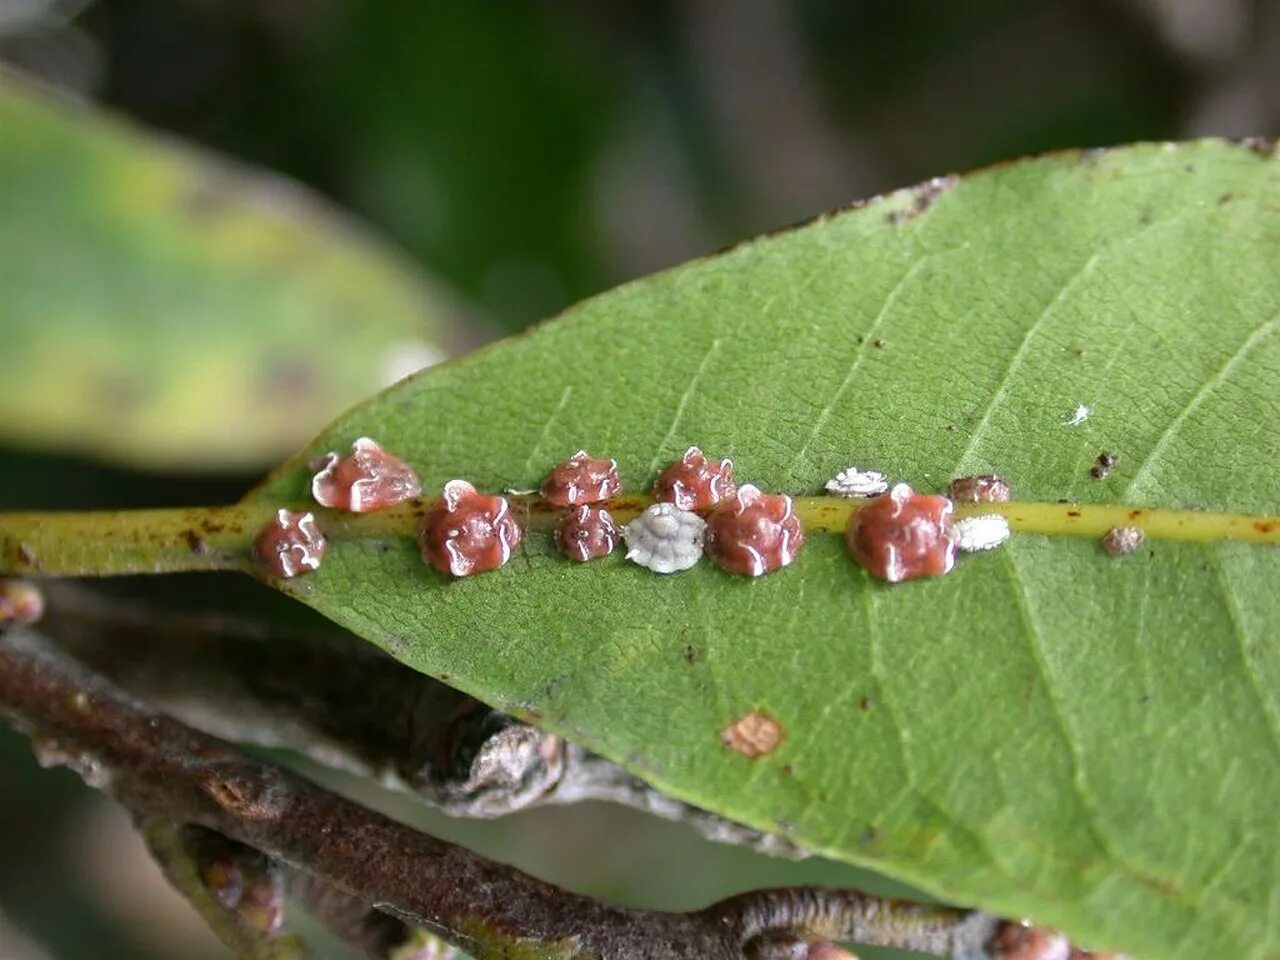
pixel 755 735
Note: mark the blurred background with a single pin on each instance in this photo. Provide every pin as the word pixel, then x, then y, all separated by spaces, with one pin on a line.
pixel 300 201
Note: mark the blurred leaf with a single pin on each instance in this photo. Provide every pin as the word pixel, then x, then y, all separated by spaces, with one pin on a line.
pixel 1046 732
pixel 163 309
pixel 472 132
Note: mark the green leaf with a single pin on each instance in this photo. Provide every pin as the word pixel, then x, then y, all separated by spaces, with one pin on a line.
pixel 1046 732
pixel 164 309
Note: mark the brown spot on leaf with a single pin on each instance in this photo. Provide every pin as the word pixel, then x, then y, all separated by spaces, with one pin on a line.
pixel 878 343
pixel 1264 526
pixel 195 543
pixel 691 655
pixel 866 704
pixel 754 735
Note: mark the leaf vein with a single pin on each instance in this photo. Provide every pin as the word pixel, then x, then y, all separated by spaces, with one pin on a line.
pixel 1150 461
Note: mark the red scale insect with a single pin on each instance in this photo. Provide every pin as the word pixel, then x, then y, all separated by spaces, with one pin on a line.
pixel 587 533
pixel 581 479
pixel 903 535
pixel 753 533
pixel 468 532
pixel 291 544
pixel 695 483
pixel 368 479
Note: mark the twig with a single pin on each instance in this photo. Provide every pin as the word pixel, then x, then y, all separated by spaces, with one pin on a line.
pixel 159 767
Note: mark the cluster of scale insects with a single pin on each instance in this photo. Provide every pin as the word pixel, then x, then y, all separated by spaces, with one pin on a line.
pixel 896 535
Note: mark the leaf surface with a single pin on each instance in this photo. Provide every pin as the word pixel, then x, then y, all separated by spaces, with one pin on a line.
pixel 1046 732
pixel 163 309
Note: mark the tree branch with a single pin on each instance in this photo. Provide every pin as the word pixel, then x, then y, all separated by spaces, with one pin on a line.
pixel 158 767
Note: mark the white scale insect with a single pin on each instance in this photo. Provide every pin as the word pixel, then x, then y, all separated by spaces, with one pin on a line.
pixel 983 532
pixel 665 539
pixel 855 482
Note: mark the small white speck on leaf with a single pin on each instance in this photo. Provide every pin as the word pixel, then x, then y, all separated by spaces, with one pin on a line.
pixel 853 481
pixel 984 532
pixel 665 539
pixel 1078 416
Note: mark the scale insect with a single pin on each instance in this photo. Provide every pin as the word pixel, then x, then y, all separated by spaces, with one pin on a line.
pixel 984 532
pixel 753 533
pixel 581 479
pixel 983 488
pixel 695 483
pixel 468 532
pixel 903 535
pixel 1122 541
pixel 853 481
pixel 291 544
pixel 665 539
pixel 587 533
pixel 367 479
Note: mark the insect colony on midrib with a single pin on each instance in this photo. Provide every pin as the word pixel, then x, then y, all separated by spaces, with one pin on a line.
pixel 896 535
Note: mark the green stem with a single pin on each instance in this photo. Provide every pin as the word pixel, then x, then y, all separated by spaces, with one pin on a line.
pixel 219 538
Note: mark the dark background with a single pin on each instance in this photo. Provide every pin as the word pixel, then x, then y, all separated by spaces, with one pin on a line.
pixel 529 154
